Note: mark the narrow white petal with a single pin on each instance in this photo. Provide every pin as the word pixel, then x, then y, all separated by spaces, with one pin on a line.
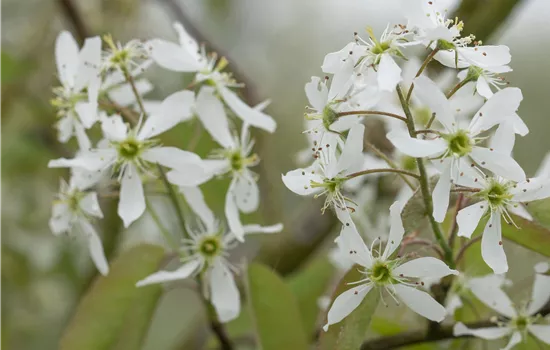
pixel 492 249
pixel 175 109
pixel 232 215
pixel 317 93
pixel 132 199
pixel 504 139
pixel 175 158
pixel 483 88
pixel 224 293
pixel 87 112
pixel 452 304
pixel 173 57
pixel 514 340
pixel 491 295
pixel 66 58
pixel 431 95
pixel 427 267
pixel 123 94
pixel 247 193
pixel 415 147
pixel 114 128
pixel 182 272
pixel 389 73
pixel 89 63
pixel 420 302
pixel 299 181
pixel 191 175
pixel 90 205
pixel 195 200
pixel 396 230
pixel 442 192
pixel 84 143
pixel 252 229
pixel 65 128
pixel 345 303
pixel 499 163
pixel 469 217
pixel 486 55
pixel 352 245
pixel 60 221
pixel 245 112
pixel 542 332
pixel 488 333
pixel 519 210
pixel 212 115
pixel 95 247
pixel 92 161
pixel 498 109
pixel 341 81
pixel 353 148
pixel 540 293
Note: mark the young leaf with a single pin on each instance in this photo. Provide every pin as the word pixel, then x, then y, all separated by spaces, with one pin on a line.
pixel 275 311
pixel 115 314
pixel 351 331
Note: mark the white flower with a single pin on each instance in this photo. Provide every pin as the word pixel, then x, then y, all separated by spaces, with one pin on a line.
pixel 206 254
pixel 327 175
pixel 457 146
pixel 119 91
pixel 72 211
pixel 515 322
pixel 76 98
pixel 130 154
pixel 235 158
pixel 399 278
pixel 499 197
pixel 485 78
pixel 188 57
pixel 124 58
pixel 463 284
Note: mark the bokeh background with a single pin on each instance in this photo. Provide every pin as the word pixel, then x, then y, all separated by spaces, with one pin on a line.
pixel 277 46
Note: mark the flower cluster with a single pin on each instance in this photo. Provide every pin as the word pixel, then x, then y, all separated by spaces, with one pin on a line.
pixel 461 141
pixel 106 87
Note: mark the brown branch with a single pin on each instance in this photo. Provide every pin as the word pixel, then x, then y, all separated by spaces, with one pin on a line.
pixel 419 337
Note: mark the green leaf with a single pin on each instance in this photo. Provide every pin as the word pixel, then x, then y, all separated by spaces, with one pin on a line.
pixel 529 235
pixel 308 285
pixel 541 211
pixel 350 333
pixel 114 313
pixel 274 311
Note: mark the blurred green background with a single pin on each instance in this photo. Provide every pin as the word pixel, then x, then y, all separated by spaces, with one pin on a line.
pixel 277 45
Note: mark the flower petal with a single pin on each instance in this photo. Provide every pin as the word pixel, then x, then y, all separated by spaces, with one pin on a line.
pixel 90 205
pixel 486 55
pixel 299 180
pixel 540 293
pixel 492 249
pixel 542 332
pixel 442 192
pixel 427 267
pixel 65 128
pixel 247 194
pixel 61 220
pixel 415 147
pixel 66 58
pixel 224 293
pixel 250 115
pixel 469 217
pixel 175 109
pixel 173 57
pixel 396 230
pixel 498 109
pixel 95 247
pixel 389 73
pixel 317 93
pixel 212 115
pixel 514 340
pixel 492 295
pixel 114 128
pixel 89 63
pixel 345 303
pixel 488 333
pixel 353 148
pixel 132 199
pixel 499 163
pixel 175 158
pixel 252 229
pixel 182 272
pixel 430 95
pixel 93 161
pixel 123 94
pixel 482 88
pixel 420 302
pixel 195 200
pixel 87 113
pixel 352 245
pixel 232 215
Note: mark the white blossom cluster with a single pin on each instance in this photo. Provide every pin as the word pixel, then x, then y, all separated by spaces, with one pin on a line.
pixel 463 137
pixel 106 87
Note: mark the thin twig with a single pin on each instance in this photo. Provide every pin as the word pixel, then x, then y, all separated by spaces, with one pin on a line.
pixel 422 68
pixel 389 161
pixel 427 131
pixel 125 112
pixel 387 114
pixel 383 170
pixel 458 87
pixel 462 251
pixel 454 227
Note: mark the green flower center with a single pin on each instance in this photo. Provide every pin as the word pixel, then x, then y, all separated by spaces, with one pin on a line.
pixel 238 161
pixel 380 48
pixel 329 117
pixel 73 201
pixel 210 246
pixel 520 323
pixel 460 143
pixel 331 185
pixel 120 57
pixel 497 194
pixel 380 273
pixel 129 149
